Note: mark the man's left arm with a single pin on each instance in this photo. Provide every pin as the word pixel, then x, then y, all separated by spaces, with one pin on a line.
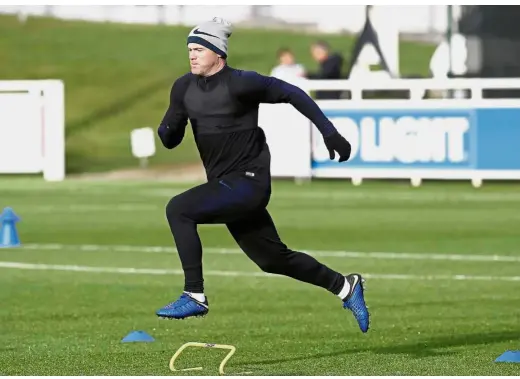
pixel 252 86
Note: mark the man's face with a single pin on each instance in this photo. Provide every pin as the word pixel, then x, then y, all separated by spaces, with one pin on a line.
pixel 318 53
pixel 202 59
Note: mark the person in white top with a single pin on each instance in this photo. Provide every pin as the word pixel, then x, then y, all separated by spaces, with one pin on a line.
pixel 287 70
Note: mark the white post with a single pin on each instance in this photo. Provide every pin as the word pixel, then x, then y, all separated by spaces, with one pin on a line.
pixel 54 130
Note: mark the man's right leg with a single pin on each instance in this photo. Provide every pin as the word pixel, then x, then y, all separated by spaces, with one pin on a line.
pixel 258 238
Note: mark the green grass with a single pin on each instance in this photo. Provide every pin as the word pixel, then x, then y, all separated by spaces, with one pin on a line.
pixel 71 323
pixel 118 77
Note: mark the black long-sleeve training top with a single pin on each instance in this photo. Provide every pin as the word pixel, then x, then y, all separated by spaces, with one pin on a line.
pixel 223 111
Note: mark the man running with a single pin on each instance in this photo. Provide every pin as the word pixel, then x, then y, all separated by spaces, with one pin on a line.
pixel 222 105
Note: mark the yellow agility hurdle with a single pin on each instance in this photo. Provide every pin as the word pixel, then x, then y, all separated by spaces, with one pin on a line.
pixel 231 349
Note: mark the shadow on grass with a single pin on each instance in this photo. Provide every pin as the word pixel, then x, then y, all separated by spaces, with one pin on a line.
pixel 426 348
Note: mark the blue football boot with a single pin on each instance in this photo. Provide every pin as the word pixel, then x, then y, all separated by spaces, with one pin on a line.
pixel 184 307
pixel 355 301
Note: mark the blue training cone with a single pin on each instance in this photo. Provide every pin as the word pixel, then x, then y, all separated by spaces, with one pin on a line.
pixel 138 336
pixel 509 356
pixel 8 233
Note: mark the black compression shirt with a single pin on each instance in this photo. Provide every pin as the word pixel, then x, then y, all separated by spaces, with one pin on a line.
pixel 223 111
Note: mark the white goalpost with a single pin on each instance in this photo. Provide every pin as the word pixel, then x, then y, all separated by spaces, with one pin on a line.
pixel 32 128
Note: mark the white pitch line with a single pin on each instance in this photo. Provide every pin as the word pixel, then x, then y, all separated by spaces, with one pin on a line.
pixel 316 253
pixel 80 208
pixel 153 271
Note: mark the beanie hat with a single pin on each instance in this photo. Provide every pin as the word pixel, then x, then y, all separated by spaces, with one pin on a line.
pixel 212 35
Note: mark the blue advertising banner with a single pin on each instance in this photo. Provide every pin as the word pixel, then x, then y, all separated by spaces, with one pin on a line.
pixel 425 139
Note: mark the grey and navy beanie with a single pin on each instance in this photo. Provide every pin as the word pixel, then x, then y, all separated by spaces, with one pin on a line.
pixel 213 35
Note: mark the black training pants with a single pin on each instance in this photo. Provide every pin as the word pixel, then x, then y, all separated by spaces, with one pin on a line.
pixel 239 201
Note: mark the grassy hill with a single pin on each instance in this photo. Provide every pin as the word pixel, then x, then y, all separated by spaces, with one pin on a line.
pixel 118 76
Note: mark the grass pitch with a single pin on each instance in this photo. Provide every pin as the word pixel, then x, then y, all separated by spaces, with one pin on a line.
pixel 442 265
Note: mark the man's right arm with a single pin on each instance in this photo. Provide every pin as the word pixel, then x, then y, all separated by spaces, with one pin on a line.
pixel 173 125
pixel 251 86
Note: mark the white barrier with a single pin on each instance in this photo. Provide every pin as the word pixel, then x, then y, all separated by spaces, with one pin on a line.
pixel 417 87
pixel 32 128
pixel 472 139
pixel 464 138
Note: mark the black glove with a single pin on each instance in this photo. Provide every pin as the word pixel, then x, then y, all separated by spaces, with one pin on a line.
pixel 336 142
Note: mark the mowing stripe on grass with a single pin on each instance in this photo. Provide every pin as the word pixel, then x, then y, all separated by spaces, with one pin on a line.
pixel 154 271
pixel 316 253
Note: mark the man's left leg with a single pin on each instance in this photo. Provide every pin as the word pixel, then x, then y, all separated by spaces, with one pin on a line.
pixel 258 238
pixel 217 201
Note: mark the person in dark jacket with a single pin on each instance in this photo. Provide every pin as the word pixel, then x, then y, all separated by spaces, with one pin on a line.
pixel 222 105
pixel 330 65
